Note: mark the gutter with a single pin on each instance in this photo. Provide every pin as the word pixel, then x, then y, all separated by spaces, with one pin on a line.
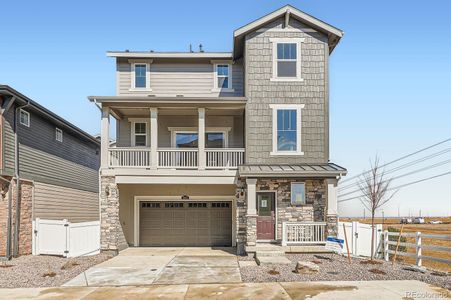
pixel 16 174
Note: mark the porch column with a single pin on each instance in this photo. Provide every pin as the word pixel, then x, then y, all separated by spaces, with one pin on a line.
pixel 251 196
pixel 153 138
pixel 332 207
pixel 201 139
pixel 105 137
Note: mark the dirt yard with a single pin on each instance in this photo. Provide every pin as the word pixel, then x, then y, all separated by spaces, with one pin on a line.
pixel 439 229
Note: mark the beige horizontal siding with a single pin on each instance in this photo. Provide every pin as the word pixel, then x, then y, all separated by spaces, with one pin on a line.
pixel 57 203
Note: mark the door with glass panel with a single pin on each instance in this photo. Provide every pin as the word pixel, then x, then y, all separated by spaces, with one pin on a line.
pixel 266 216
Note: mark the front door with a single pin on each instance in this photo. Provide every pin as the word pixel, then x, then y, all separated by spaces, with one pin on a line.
pixel 266 218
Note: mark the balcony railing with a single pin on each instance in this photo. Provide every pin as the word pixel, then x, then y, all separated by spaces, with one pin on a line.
pixel 175 158
pixel 298 233
pixel 129 157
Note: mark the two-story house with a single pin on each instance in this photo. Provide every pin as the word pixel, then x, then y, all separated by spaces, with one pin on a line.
pixel 48 170
pixel 223 148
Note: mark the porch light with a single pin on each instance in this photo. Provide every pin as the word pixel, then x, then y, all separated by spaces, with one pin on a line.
pixel 185 197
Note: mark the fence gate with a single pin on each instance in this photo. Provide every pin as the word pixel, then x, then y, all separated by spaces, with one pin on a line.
pixel 359 238
pixel 60 237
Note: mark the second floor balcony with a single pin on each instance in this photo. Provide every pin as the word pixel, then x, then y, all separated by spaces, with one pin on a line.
pixel 195 137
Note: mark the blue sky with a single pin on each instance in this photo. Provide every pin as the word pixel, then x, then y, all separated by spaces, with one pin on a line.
pixel 390 75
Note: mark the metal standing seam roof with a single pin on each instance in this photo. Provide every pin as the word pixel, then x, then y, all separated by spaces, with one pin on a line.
pixel 309 170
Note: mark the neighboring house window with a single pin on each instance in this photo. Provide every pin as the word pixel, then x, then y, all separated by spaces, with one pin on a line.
pixel 140 134
pixel 286 59
pixel 297 193
pixel 59 135
pixel 140 75
pixel 223 76
pixel 24 118
pixel 287 129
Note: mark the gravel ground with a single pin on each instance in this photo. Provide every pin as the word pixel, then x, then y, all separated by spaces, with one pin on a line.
pixel 337 269
pixel 44 271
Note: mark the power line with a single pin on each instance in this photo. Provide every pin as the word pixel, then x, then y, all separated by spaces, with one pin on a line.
pixel 406 174
pixel 400 186
pixel 406 165
pixel 401 158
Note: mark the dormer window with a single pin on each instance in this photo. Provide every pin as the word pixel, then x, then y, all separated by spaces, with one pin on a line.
pixel 286 59
pixel 223 77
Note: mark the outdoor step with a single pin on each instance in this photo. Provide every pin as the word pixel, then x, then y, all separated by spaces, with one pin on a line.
pixel 269 253
pixel 272 260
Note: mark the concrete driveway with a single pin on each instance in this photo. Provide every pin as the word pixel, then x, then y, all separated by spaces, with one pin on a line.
pixel 145 266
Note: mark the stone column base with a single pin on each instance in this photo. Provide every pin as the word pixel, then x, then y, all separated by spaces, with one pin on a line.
pixel 251 230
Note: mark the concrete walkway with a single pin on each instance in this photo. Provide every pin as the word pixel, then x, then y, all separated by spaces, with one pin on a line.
pixel 144 266
pixel 293 290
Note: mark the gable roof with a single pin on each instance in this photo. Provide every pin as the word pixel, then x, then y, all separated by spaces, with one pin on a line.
pixel 334 34
pixel 6 90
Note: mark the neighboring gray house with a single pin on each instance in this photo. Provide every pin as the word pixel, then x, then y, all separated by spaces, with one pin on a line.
pixel 57 165
pixel 223 149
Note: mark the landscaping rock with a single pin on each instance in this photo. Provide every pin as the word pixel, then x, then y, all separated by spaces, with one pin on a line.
pixel 415 269
pixel 306 267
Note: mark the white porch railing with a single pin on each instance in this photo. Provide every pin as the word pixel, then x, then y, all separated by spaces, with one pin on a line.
pixel 303 233
pixel 129 157
pixel 224 158
pixel 177 158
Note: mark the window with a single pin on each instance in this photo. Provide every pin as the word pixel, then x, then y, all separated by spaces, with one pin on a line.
pixel 186 140
pixel 189 139
pixel 59 135
pixel 297 193
pixel 222 77
pixel 286 129
pixel 214 140
pixel 24 118
pixel 286 59
pixel 140 76
pixel 140 134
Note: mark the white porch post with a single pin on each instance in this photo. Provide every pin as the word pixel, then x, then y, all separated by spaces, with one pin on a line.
pixel 105 137
pixel 153 138
pixel 251 196
pixel 332 205
pixel 201 139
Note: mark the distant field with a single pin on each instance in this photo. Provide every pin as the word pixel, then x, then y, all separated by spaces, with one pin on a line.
pixel 442 229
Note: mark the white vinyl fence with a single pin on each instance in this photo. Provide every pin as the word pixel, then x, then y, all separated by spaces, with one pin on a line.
pixel 359 238
pixel 60 237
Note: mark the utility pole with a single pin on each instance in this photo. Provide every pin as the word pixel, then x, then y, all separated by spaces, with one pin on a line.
pixel 364 214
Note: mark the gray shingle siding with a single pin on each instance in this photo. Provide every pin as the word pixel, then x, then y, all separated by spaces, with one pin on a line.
pixel 261 92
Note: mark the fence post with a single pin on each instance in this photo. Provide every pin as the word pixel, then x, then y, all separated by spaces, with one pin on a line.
pixel 418 249
pixel 66 225
pixel 284 234
pixel 386 245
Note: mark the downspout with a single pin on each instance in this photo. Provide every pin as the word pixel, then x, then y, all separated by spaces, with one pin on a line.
pixel 16 174
pixel 9 222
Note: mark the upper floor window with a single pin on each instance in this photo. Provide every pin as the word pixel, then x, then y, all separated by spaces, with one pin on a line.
pixel 286 59
pixel 287 129
pixel 140 134
pixel 222 76
pixel 59 135
pixel 24 118
pixel 140 75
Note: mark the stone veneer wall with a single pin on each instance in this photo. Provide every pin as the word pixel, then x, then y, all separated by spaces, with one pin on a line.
pixel 112 237
pixel 25 224
pixel 313 211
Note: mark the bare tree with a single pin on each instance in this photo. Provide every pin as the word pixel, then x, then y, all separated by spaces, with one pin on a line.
pixel 376 192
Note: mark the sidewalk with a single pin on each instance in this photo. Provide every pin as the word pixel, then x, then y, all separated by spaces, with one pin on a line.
pixel 408 289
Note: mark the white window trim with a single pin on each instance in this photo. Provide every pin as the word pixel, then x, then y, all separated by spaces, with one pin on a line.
pixel 291 194
pixel 223 130
pixel 28 117
pixel 298 42
pixel 298 108
pixel 215 77
pixel 133 121
pixel 133 75
pixel 58 131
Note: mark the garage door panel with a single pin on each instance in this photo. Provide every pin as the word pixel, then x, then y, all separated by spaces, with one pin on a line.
pixel 185 224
